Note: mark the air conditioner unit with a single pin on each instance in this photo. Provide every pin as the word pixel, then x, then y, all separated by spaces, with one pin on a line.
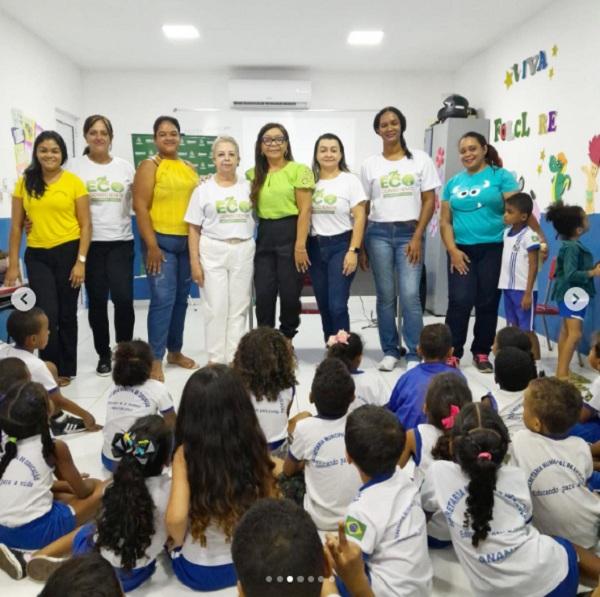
pixel 264 94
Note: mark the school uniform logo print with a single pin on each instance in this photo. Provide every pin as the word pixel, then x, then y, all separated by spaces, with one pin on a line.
pixel 395 184
pixel 232 211
pixel 322 203
pixel 354 528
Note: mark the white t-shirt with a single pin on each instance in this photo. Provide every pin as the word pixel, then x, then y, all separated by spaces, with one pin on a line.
pixel 368 389
pixel 331 482
pixel 25 487
pixel 37 368
pixel 216 552
pixel 273 416
pixel 594 396
pixel 126 404
pixel 394 187
pixel 557 471
pixel 387 521
pixel 515 258
pixel 509 405
pixel 515 560
pixel 109 187
pixel 332 201
pixel 159 488
pixel 222 212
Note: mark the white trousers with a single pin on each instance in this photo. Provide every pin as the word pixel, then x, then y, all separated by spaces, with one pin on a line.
pixel 226 295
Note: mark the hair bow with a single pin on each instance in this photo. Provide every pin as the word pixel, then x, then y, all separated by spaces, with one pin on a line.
pixel 341 337
pixel 448 422
pixel 127 443
pixel 484 456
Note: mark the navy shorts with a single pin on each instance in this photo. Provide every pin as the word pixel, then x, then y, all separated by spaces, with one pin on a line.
pixel 515 315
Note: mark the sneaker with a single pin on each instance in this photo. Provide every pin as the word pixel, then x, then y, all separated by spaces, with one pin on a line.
pixel 12 562
pixel 387 363
pixel 41 567
pixel 453 362
pixel 412 364
pixel 65 425
pixel 482 363
pixel 104 368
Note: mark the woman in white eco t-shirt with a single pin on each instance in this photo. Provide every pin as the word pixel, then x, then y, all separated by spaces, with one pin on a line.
pixel 110 259
pixel 400 185
pixel 221 244
pixel 336 232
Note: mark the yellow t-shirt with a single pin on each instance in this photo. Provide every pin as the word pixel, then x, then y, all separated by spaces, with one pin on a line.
pixel 174 183
pixel 53 215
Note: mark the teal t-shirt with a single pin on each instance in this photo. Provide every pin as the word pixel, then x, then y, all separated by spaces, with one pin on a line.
pixel 477 204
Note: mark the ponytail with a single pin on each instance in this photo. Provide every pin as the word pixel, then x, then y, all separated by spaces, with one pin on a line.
pixel 492 157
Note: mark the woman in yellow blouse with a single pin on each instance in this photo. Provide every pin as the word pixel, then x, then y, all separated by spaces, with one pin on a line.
pixel 162 189
pixel 282 194
pixel 57 205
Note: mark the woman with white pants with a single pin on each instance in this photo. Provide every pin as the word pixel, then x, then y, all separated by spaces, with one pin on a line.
pixel 221 244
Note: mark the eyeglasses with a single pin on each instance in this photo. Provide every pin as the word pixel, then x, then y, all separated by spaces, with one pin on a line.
pixel 274 140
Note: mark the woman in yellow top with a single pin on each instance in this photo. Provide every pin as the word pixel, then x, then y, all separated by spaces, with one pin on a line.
pixel 282 194
pixel 57 205
pixel 162 189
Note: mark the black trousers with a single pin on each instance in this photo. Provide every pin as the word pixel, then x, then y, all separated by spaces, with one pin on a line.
pixel 275 275
pixel 478 288
pixel 48 271
pixel 110 270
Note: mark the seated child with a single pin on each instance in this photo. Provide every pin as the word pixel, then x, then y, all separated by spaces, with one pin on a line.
pixel 588 427
pixel 12 371
pixel 84 576
pixel 133 395
pixel 31 516
pixel 386 519
pixel 318 447
pixel 129 542
pixel 446 395
pixel 557 467
pixel 408 395
pixel 518 273
pixel 513 336
pixel 488 509
pixel 265 361
pixel 29 330
pixel 369 388
pixel 512 372
pixel 221 467
pixel 278 539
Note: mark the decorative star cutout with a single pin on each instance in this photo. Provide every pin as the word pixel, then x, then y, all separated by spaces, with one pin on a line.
pixel 539 169
pixel 508 80
pixel 542 155
pixel 551 73
pixel 554 50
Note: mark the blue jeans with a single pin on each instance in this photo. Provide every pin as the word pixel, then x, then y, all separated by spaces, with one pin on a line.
pixel 386 244
pixel 169 291
pixel 332 288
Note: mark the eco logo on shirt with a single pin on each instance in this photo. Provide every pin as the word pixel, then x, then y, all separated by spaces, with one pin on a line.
pixel 395 184
pixel 322 203
pixel 232 211
pixel 354 528
pixel 101 190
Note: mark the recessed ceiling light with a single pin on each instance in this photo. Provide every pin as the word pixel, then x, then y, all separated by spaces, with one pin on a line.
pixel 180 32
pixel 365 38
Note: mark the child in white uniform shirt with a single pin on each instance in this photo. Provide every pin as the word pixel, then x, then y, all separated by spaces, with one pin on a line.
pixel 318 447
pixel 513 371
pixel 386 518
pixel 368 385
pixel 130 530
pixel 266 363
pixel 446 395
pixel 133 395
pixel 557 466
pixel 588 427
pixel 488 509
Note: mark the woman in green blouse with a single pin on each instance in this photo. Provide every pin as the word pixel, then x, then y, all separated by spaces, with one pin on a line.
pixel 282 195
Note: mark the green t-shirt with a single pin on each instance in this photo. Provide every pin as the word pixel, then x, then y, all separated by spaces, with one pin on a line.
pixel 277 198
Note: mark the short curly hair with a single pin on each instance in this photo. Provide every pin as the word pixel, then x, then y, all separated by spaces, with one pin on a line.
pixel 556 403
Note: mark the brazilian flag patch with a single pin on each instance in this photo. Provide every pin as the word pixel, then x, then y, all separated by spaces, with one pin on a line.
pixel 354 528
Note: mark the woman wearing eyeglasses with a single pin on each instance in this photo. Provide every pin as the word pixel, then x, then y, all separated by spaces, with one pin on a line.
pixel 281 192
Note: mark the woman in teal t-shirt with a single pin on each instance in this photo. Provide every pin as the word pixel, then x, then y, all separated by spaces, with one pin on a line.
pixel 282 194
pixel 472 226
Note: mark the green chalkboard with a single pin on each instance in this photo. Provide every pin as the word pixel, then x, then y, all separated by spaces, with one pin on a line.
pixel 194 148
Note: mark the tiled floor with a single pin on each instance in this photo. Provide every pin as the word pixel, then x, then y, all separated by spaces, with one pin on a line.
pixel 89 390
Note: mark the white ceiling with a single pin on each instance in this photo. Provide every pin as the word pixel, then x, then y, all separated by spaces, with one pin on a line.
pixel 304 34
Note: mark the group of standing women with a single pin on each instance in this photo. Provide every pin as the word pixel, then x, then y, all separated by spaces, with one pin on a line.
pixel 282 221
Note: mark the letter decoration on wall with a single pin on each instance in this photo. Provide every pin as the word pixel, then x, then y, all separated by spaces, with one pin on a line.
pixel 530 66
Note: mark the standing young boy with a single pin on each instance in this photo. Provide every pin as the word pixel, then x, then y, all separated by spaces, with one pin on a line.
pixel 520 267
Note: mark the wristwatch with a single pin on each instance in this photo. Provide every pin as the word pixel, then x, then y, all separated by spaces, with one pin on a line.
pixel 81 258
pixel 354 250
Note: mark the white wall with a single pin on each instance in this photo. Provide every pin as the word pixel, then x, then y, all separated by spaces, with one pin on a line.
pixel 134 99
pixel 574 92
pixel 37 80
